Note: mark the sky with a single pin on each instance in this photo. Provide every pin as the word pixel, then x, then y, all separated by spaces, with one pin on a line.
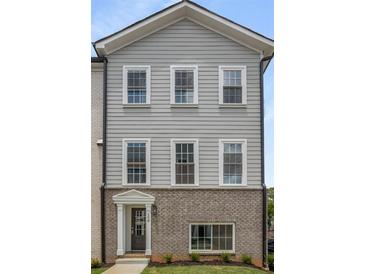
pixel 109 16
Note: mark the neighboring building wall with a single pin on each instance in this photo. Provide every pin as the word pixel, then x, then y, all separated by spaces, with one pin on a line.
pixel 176 209
pixel 184 42
pixel 96 155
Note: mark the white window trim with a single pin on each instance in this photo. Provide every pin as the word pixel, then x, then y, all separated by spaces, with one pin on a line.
pixel 196 161
pixel 125 84
pixel 243 142
pixel 214 251
pixel 243 83
pixel 172 83
pixel 124 160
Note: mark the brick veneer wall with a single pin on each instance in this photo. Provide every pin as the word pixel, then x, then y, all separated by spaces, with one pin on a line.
pixel 96 156
pixel 176 209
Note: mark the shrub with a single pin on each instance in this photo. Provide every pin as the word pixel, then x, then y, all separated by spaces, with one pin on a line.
pixel 246 259
pixel 225 257
pixel 270 260
pixel 95 263
pixel 167 258
pixel 195 257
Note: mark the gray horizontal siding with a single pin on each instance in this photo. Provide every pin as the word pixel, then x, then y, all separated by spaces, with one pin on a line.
pixel 183 43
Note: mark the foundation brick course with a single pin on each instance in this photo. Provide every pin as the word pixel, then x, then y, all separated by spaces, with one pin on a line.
pixel 177 208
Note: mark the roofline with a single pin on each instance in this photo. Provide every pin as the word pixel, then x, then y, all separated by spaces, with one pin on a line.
pixel 171 6
pixel 97 59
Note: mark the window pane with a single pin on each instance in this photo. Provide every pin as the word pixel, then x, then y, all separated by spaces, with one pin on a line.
pixel 232 95
pixel 136 86
pixel 194 231
pixel 184 168
pixel 232 165
pixel 136 163
pixel 184 86
pixel 215 244
pixel 222 244
pixel 229 245
pixel 194 243
pixel 229 231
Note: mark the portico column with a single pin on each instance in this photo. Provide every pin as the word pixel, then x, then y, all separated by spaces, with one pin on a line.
pixel 148 229
pixel 121 228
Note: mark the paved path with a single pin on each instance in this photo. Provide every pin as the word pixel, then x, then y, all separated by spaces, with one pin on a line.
pixel 125 269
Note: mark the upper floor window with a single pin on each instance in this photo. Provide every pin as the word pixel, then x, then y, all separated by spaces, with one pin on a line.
pixel 184 165
pixel 232 85
pixel 184 85
pixel 136 85
pixel 232 162
pixel 136 161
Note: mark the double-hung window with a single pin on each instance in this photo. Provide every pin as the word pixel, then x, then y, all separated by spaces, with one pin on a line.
pixel 185 162
pixel 184 85
pixel 232 85
pixel 136 157
pixel 232 162
pixel 136 85
pixel 212 238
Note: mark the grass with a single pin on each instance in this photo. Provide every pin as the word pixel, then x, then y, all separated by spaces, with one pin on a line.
pixel 202 269
pixel 98 270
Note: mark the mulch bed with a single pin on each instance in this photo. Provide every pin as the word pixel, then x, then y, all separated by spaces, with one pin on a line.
pixel 213 262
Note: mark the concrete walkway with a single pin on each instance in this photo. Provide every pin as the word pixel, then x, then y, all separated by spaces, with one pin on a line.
pixel 128 266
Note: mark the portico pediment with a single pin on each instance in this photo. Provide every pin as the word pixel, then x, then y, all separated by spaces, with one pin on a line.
pixel 133 197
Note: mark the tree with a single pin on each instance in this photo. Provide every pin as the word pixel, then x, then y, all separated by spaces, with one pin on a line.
pixel 270 207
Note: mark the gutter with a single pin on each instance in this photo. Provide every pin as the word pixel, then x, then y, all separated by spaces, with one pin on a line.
pixel 102 188
pixel 262 134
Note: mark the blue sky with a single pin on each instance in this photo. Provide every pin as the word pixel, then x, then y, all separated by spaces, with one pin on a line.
pixel 109 16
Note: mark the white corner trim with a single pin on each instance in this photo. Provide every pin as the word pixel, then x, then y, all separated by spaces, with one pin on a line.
pixel 214 251
pixel 125 142
pixel 243 70
pixel 243 142
pixel 146 68
pixel 196 161
pixel 196 82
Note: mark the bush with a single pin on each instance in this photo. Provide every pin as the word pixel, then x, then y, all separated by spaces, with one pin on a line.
pixel 225 257
pixel 95 263
pixel 270 260
pixel 195 257
pixel 246 259
pixel 167 258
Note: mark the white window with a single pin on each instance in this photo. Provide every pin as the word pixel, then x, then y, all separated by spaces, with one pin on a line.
pixel 136 85
pixel 184 85
pixel 136 161
pixel 212 238
pixel 232 85
pixel 233 162
pixel 184 162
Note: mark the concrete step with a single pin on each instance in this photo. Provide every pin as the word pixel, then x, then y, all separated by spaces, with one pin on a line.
pixel 132 261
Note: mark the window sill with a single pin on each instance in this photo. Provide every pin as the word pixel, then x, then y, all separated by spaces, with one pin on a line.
pixel 184 185
pixel 233 185
pixel 136 105
pixel 233 105
pixel 184 105
pixel 212 252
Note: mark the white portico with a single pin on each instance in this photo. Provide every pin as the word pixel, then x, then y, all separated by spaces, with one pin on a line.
pixel 131 229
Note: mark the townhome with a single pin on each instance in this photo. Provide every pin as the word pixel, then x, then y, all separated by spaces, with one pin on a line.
pixel 181 109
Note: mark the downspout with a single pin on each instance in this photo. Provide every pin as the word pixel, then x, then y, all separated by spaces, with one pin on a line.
pixel 264 192
pixel 102 188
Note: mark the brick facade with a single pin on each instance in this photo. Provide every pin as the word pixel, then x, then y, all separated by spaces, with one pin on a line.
pixel 177 208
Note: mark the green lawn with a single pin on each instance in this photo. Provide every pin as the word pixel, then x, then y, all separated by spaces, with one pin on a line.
pixel 98 270
pixel 202 269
